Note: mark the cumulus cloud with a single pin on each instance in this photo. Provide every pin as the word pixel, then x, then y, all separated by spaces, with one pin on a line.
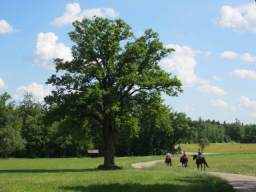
pixel 48 48
pixel 248 57
pixel 219 103
pixel 73 12
pixel 38 91
pixel 247 102
pixel 241 18
pixel 253 115
pixel 229 54
pixel 205 86
pixel 246 74
pixel 183 63
pixel 216 78
pixel 2 84
pixel 5 27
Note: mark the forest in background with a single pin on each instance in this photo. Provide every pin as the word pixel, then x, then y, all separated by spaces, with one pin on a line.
pixel 29 129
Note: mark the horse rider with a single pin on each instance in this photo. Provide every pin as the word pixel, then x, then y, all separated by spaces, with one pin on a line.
pixel 200 155
pixel 168 159
pixel 168 155
pixel 184 159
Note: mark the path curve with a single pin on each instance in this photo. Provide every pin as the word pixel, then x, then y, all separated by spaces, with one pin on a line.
pixel 241 183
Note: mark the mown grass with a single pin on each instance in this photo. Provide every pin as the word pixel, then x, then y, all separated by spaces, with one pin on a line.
pixel 80 175
pixel 222 148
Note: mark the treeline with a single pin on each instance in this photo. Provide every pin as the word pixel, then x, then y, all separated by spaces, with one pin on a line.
pixel 29 129
pixel 218 132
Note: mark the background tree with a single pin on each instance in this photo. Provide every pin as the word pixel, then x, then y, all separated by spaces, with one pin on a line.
pixel 33 129
pixel 110 70
pixel 10 127
pixel 155 127
pixel 203 143
pixel 181 129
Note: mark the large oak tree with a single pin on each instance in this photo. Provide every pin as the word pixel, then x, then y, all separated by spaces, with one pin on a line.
pixel 111 72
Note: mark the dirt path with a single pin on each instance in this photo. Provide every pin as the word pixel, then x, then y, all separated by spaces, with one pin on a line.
pixel 148 164
pixel 241 183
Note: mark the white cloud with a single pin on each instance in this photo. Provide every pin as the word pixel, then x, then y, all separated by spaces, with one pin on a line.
pixel 208 88
pixel 246 74
pixel 5 27
pixel 216 78
pixel 208 54
pixel 247 102
pixel 73 12
pixel 219 103
pixel 253 115
pixel 241 18
pixel 38 91
pixel 183 63
pixel 48 48
pixel 229 54
pixel 2 84
pixel 248 57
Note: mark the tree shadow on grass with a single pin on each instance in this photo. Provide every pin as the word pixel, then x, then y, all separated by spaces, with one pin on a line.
pixel 48 170
pixel 181 187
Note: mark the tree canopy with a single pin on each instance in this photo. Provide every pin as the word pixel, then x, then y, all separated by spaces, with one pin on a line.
pixel 112 72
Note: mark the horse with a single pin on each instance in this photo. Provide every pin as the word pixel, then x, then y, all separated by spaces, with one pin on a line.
pixel 168 160
pixel 200 162
pixel 184 161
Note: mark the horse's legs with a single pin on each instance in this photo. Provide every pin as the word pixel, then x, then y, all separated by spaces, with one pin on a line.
pixel 197 166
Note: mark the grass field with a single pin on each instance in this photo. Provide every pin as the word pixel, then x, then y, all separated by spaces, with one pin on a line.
pixel 79 175
pixel 223 148
pixel 231 158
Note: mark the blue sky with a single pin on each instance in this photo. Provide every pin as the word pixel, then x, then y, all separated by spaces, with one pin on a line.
pixel 214 40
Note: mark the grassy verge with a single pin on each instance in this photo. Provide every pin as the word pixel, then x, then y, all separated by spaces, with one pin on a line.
pixel 79 175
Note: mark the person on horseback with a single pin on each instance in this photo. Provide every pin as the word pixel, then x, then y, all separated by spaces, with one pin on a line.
pixel 168 159
pixel 184 160
pixel 200 161
pixel 200 155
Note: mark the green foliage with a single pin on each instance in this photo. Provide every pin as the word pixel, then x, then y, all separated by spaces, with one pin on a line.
pixel 181 129
pixel 203 143
pixel 10 126
pixel 111 74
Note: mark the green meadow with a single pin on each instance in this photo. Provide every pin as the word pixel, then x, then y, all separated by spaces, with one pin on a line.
pixel 223 148
pixel 81 175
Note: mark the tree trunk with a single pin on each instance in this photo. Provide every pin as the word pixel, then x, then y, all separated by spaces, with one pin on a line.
pixel 109 146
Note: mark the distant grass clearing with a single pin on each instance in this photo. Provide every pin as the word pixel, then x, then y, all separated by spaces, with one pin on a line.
pixel 222 148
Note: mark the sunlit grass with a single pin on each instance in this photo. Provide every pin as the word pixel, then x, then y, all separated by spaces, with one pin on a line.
pixel 222 148
pixel 80 175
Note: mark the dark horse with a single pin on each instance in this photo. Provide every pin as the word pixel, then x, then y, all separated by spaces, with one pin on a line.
pixel 168 160
pixel 184 161
pixel 200 162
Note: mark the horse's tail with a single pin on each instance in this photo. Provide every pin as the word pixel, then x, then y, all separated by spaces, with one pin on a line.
pixel 205 162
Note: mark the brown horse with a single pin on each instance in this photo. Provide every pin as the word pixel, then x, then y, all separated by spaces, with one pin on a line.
pixel 168 160
pixel 200 162
pixel 184 161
